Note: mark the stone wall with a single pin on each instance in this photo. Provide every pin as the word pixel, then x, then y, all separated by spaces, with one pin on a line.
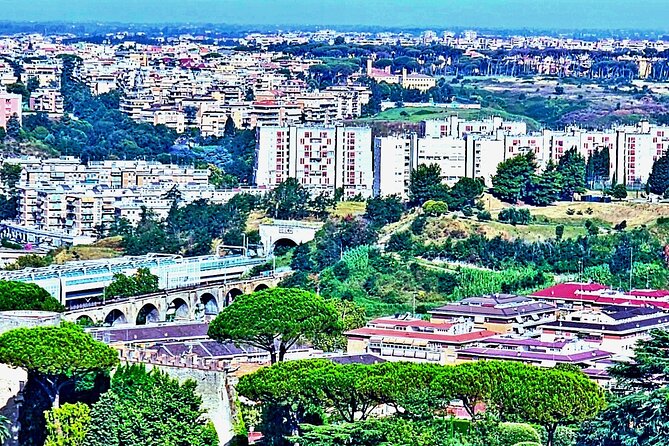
pixel 12 382
pixel 211 386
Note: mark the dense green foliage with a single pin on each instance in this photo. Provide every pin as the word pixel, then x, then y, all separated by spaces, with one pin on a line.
pixel 515 216
pixel 188 229
pixel 149 408
pixel 426 186
pixel 561 255
pixel 658 180
pixel 517 179
pixel 56 356
pixel 142 282
pixel 67 425
pixel 639 413
pixel 319 392
pixel 385 285
pixel 384 210
pixel 275 319
pixel 26 296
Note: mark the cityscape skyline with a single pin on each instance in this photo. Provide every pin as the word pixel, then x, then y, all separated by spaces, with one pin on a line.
pixel 554 14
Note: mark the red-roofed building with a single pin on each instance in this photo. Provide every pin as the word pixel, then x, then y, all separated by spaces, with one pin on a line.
pixel 577 296
pixel 409 339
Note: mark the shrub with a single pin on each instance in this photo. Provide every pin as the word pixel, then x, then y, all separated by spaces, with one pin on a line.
pixel 514 433
pixel 527 443
pixel 435 207
pixel 485 216
pixel 570 211
pixel 662 220
pixel 559 232
pixel 467 211
pixel 564 437
pixel 418 225
pixel 515 216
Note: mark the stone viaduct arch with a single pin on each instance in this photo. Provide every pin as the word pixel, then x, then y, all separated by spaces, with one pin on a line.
pixel 202 302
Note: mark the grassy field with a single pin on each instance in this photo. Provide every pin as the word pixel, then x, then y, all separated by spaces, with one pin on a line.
pixel 345 208
pixel 418 114
pixel 604 215
pixel 104 249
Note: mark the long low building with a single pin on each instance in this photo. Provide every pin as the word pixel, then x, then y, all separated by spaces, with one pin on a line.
pixel 410 339
pixel 616 329
pixel 81 282
pixel 572 296
pixel 501 313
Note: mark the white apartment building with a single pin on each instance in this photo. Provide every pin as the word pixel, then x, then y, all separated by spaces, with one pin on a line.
pixel 394 158
pixel 321 158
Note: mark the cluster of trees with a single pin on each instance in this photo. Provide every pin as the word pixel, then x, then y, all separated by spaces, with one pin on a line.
pixel 426 185
pixel 323 394
pixel 432 59
pixel 291 201
pixel 142 282
pixel 607 253
pixel 517 179
pixel 385 283
pixel 66 365
pixel 100 130
pixel 191 229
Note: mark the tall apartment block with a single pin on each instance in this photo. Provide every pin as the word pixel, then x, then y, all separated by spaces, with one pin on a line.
pixel 321 158
pixel 10 105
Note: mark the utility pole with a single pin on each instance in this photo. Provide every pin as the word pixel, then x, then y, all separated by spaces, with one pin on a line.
pixel 631 266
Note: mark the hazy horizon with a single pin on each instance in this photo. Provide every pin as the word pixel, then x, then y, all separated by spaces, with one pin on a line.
pixel 440 14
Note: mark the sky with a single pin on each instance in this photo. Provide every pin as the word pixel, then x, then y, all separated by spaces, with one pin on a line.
pixel 438 14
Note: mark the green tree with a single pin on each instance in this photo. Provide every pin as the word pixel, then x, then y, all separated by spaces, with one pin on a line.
pixel 5 433
pixel 149 408
pixel 572 169
pixel 142 282
pixel 13 127
pixel 67 425
pixel 435 208
pixel 658 180
pixel 559 232
pixel 545 188
pixel 619 191
pixel 384 210
pixel 513 178
pixel 465 192
pixel 26 296
pixel 553 397
pixel 511 434
pixel 425 184
pixel 56 356
pixel 286 395
pixel 352 390
pixel 338 236
pixel 351 316
pixel 288 201
pixel 401 241
pixel 515 216
pixel 230 128
pixel 10 174
pixel 274 320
